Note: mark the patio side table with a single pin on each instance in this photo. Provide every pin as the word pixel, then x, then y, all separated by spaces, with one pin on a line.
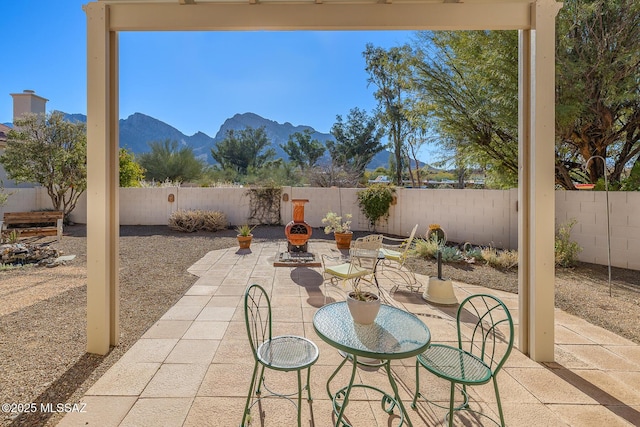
pixel 395 334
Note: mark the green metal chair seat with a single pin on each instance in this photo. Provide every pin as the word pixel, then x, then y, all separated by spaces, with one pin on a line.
pixel 451 363
pixel 288 352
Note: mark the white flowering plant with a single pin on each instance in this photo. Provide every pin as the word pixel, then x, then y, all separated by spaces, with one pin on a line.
pixel 334 224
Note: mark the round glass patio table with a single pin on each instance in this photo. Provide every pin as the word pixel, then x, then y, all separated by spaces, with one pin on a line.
pixel 395 334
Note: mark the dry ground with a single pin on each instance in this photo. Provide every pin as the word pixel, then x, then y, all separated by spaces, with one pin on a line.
pixel 43 310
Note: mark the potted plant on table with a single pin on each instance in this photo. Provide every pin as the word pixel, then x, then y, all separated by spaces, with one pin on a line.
pixel 363 305
pixel 245 236
pixel 341 229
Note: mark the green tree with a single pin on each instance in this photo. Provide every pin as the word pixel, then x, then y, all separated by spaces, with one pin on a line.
pixel 598 89
pixel 357 141
pixel 243 151
pixel 167 161
pixel 302 150
pixel 468 82
pixel 131 173
pixel 390 71
pixel 52 152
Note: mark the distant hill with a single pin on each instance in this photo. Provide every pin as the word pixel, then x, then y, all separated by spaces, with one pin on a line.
pixel 137 130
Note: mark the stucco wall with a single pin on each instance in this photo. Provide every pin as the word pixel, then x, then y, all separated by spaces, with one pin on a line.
pixel 481 217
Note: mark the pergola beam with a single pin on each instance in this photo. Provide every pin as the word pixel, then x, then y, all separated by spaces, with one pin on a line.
pixel 324 16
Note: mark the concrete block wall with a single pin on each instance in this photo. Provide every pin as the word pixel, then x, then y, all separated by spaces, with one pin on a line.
pixel 589 208
pixel 481 217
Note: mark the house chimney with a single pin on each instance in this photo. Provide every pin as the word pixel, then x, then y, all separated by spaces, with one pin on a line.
pixel 28 102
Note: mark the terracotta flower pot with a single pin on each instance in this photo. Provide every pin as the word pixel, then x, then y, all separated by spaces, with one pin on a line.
pixel 343 240
pixel 244 241
pixel 364 312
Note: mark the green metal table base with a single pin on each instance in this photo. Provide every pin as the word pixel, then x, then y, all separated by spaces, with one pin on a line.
pixel 340 399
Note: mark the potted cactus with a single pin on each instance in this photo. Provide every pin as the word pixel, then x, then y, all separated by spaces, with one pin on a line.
pixel 245 236
pixel 436 233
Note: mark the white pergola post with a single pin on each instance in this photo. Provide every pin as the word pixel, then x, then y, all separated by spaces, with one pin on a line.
pixel 536 189
pixel 535 20
pixel 103 296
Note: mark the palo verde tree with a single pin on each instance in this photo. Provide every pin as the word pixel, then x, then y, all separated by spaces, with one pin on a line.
pixel 390 71
pixel 598 90
pixel 302 150
pixel 168 161
pixel 52 152
pixel 357 141
pixel 468 82
pixel 244 150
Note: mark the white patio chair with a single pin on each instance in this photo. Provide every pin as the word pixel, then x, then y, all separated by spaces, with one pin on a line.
pixel 395 253
pixel 361 265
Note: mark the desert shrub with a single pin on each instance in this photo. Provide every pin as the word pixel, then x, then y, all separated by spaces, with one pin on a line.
pixel 500 259
pixel 471 253
pixel 187 221
pixel 566 250
pixel 426 248
pixel 451 254
pixel 214 221
pixel 159 184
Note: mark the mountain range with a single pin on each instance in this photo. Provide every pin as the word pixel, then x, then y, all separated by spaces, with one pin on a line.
pixel 137 130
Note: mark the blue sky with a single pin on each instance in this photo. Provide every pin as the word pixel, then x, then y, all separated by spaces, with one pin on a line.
pixel 192 81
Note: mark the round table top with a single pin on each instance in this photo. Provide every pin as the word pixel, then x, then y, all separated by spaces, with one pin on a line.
pixel 395 333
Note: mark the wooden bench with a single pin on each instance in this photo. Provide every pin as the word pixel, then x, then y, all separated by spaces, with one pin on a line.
pixel 45 223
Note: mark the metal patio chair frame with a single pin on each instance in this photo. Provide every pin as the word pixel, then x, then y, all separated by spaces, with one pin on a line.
pixel 395 253
pixel 487 349
pixel 363 257
pixel 280 353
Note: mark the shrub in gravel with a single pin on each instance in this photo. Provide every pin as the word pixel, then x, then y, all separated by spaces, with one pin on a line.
pixel 214 221
pixel 189 221
pixel 500 259
pixel 566 250
pixel 426 248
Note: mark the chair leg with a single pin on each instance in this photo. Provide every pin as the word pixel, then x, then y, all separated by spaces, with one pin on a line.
pixel 246 406
pixel 415 396
pixel 261 381
pixel 299 398
pixel 465 395
pixel 308 384
pixel 495 386
pixel 453 389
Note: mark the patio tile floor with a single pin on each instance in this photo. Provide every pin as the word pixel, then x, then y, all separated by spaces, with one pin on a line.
pixel 193 367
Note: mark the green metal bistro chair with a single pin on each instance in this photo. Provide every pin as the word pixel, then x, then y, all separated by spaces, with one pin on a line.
pixel 361 265
pixel 478 359
pixel 395 253
pixel 281 353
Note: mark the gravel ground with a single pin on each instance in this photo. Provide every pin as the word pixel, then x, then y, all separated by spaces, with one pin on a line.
pixel 43 311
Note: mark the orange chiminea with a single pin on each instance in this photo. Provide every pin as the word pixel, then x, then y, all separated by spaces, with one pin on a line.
pixel 298 231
